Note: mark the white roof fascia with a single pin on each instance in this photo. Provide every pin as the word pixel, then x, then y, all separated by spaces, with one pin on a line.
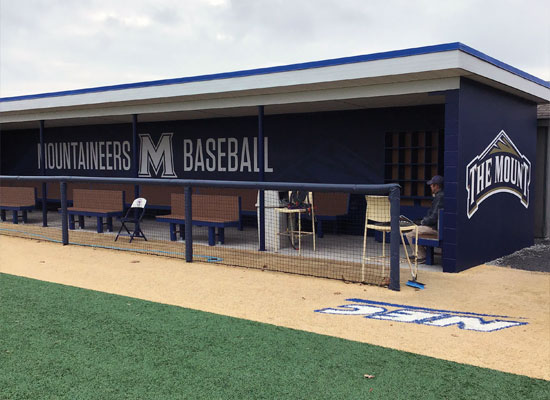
pixel 346 72
pixel 391 89
pixel 482 68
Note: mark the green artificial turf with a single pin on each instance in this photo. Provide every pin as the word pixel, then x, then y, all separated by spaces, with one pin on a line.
pixel 64 342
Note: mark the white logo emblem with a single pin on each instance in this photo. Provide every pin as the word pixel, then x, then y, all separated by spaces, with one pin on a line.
pixel 156 156
pixel 500 168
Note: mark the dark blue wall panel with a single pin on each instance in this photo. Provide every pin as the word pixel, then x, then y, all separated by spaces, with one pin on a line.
pixel 100 150
pixel 332 147
pixel 18 152
pixel 501 223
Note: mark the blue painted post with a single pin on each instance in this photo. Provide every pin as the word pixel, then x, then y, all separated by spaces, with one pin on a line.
pixel 173 233
pixel 188 225
pixel 64 225
pixel 453 110
pixel 395 194
pixel 261 157
pixel 43 171
pixel 135 160
pixel 211 236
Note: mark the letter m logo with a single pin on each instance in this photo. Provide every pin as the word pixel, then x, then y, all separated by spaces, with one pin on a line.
pixel 156 156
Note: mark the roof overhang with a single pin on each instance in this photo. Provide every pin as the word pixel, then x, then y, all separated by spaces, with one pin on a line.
pixel 400 78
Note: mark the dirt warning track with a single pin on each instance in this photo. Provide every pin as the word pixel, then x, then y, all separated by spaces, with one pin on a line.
pixel 452 319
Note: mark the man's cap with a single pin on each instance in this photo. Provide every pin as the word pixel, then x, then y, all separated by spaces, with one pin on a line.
pixel 437 180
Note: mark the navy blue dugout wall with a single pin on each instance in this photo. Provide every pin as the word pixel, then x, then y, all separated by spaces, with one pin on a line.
pixel 502 221
pixel 331 147
pixel 20 151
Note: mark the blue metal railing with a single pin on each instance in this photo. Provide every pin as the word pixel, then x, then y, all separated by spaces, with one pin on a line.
pixel 392 190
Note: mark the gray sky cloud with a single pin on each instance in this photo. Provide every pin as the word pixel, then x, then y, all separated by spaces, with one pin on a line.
pixel 51 45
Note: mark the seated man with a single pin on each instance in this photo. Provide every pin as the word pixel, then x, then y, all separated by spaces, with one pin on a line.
pixel 428 225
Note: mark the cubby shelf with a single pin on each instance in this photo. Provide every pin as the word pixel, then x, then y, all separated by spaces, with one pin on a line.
pixel 412 164
pixel 411 147
pixel 411 159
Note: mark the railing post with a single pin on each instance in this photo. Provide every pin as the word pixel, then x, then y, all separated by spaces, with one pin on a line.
pixel 43 171
pixel 261 211
pixel 64 217
pixel 261 158
pixel 135 161
pixel 394 196
pixel 188 224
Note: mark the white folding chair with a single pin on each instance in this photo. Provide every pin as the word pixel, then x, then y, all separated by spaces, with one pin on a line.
pixel 133 216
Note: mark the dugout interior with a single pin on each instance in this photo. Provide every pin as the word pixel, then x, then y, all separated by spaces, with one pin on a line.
pixel 400 116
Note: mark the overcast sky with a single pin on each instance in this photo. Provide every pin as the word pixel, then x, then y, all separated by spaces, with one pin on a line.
pixel 52 45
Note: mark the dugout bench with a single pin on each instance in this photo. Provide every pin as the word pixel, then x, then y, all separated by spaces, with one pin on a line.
pixel 96 203
pixel 17 199
pixel 213 211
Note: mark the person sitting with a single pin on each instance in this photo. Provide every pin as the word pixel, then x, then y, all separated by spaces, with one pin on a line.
pixel 428 225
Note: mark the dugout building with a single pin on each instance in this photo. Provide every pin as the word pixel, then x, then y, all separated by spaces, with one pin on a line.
pixel 399 116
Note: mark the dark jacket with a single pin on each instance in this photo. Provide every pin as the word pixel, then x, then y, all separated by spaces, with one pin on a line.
pixel 431 218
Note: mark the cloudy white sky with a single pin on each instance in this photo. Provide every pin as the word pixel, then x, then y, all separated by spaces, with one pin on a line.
pixel 51 45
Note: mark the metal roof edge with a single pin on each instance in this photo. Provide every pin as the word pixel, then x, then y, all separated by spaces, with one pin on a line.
pixel 291 67
pixel 502 65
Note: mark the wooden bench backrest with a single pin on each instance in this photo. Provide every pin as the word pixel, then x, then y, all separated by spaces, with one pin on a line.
pixel 331 204
pixel 98 199
pixel 34 184
pixel 17 196
pixel 207 206
pixel 248 196
pixel 177 204
pixel 54 192
pixel 127 188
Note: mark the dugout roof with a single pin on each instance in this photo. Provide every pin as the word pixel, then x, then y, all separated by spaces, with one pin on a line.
pixel 408 77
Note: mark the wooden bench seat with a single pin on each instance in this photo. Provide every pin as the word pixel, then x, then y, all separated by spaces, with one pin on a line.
pixel 17 199
pixel 96 203
pixel 212 211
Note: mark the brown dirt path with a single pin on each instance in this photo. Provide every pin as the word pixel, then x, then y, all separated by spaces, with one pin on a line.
pixel 290 300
